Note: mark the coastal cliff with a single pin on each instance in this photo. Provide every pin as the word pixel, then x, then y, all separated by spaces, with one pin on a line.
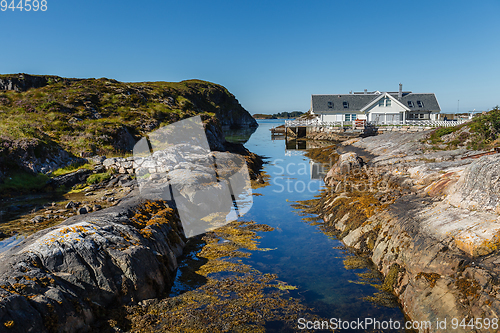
pixel 429 220
pixel 47 122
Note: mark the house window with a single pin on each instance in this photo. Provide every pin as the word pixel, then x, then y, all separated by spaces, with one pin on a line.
pixel 349 117
pixel 420 104
pixel 346 105
pixel 411 115
pixel 384 102
pixel 421 116
pixel 330 105
pixel 410 104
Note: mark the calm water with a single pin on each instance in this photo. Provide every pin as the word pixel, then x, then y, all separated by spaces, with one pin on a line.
pixel 303 256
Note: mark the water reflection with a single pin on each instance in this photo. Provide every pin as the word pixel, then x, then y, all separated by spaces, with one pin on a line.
pixel 241 135
pixel 10 242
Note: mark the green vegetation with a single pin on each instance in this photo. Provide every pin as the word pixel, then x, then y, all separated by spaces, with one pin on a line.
pixel 280 115
pixel 99 177
pixel 103 116
pixel 23 182
pixel 71 168
pixel 436 135
pixel 482 133
pixel 487 129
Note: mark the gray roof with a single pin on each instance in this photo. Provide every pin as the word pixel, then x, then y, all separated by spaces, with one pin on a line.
pixel 429 102
pixel 357 101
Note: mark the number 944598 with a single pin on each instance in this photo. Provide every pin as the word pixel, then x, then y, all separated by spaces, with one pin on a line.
pixel 26 5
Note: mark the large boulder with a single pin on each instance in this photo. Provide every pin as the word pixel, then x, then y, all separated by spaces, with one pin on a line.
pixel 62 279
pixel 70 179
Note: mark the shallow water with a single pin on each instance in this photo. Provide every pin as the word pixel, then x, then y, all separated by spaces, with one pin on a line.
pixel 10 242
pixel 301 254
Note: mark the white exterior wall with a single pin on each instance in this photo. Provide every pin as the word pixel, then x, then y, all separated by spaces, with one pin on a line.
pixel 392 109
pixel 339 116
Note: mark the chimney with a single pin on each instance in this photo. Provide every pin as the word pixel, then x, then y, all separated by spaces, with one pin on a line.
pixel 400 94
pixel 366 91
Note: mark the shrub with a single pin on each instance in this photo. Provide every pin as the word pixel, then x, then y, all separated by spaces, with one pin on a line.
pixel 441 131
pixel 98 178
pixel 486 128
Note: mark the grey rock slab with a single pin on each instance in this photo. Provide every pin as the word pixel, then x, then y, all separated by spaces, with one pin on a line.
pixel 92 261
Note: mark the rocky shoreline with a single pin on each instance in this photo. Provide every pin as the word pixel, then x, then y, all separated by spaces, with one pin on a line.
pixel 105 244
pixel 65 277
pixel 429 220
pixel 68 277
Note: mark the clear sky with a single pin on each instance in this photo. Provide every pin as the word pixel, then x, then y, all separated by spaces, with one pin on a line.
pixel 272 55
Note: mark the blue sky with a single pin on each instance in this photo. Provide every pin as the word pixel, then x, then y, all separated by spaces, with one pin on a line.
pixel 272 55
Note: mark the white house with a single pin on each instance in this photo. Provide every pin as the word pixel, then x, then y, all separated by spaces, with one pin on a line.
pixel 380 107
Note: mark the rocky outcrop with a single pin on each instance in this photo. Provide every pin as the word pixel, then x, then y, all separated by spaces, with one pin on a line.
pixel 479 186
pixel 70 179
pixel 34 155
pixel 218 99
pixel 103 116
pixel 428 220
pixel 22 82
pixel 62 279
pixel 344 165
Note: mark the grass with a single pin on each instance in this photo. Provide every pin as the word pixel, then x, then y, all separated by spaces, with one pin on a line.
pixel 483 133
pixel 99 177
pixel 90 115
pixel 436 135
pixel 24 182
pixel 71 168
pixel 486 128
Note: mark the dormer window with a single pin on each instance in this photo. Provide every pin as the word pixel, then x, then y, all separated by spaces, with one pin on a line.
pixel 410 104
pixel 384 102
pixel 346 105
pixel 420 104
pixel 330 105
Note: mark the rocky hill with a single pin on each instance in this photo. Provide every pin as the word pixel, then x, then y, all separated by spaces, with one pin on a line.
pixel 47 122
